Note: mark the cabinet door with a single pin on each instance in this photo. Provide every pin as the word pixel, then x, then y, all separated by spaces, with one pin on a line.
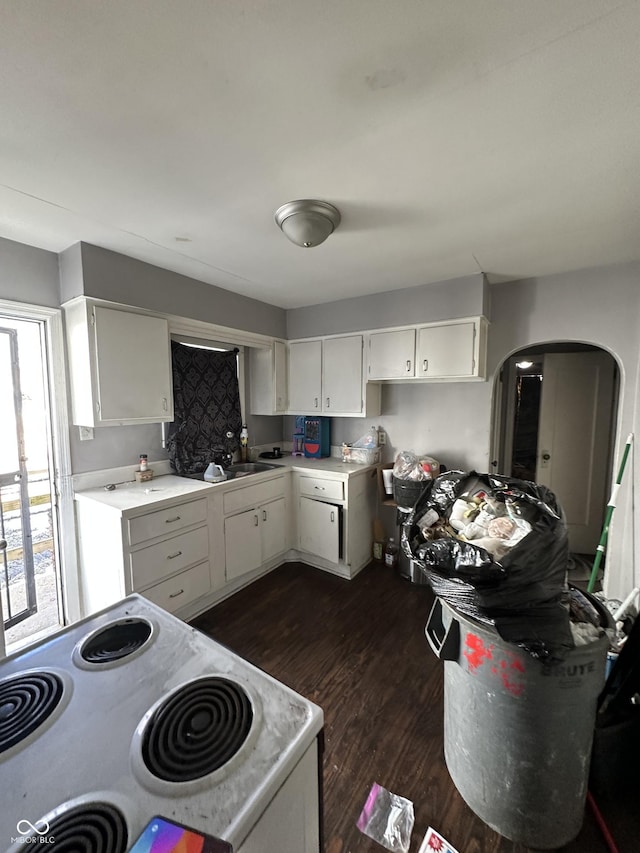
pixel 242 543
pixel 268 380
pixel 133 367
pixel 273 524
pixel 447 350
pixel 392 354
pixel 305 377
pixel 319 529
pixel 280 377
pixel 342 375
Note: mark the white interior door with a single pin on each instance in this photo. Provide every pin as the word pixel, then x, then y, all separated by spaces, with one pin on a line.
pixel 573 440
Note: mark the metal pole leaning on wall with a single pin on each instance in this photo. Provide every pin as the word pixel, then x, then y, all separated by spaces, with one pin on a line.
pixel 607 518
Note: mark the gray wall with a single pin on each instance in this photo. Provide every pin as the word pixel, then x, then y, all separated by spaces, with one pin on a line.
pixel 28 274
pixel 450 421
pixel 598 306
pixel 109 275
pixel 453 421
pixel 428 303
pixel 92 271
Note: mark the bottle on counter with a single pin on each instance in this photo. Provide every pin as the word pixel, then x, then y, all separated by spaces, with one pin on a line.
pixel 244 443
pixel 391 552
pixel 144 466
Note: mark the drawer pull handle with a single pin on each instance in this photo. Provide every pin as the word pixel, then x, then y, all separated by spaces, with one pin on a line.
pixel 328 403
pixel 173 556
pixel 264 515
pixel 319 488
pixel 315 399
pixel 333 515
pixel 408 366
pixel 176 594
pixel 425 365
pixel 255 521
pixel 171 520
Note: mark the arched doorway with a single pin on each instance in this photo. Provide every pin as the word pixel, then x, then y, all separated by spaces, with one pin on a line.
pixel 556 406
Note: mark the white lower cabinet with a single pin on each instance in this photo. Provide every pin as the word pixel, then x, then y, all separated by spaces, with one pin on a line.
pixel 319 529
pixel 161 553
pixel 333 519
pixel 188 552
pixel 181 589
pixel 256 526
pixel 254 537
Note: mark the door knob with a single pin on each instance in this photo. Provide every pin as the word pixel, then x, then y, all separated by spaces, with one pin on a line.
pixel 546 456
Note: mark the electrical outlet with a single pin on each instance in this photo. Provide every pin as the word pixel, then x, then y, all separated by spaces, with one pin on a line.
pixel 86 433
pixel 382 437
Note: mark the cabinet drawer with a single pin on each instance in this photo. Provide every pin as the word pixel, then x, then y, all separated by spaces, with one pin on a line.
pixel 157 561
pixel 253 495
pixel 166 521
pixel 182 589
pixel 317 488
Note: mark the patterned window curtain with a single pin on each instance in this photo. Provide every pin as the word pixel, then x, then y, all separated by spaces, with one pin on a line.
pixel 207 407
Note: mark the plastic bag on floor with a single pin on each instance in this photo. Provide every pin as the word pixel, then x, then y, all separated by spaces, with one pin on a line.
pixel 521 588
pixel 387 818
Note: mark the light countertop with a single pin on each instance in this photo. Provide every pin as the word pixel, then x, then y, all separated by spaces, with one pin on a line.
pixel 168 488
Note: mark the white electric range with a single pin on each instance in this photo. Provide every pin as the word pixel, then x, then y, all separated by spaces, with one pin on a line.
pixel 130 714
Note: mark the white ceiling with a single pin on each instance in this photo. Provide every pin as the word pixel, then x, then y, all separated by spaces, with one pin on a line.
pixel 453 135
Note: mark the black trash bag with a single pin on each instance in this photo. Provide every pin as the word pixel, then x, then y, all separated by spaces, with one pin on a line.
pixel 524 594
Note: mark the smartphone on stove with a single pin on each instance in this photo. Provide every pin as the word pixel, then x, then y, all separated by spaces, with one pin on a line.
pixel 162 835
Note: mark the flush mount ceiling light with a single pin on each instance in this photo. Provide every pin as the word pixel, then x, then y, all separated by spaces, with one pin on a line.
pixel 307 222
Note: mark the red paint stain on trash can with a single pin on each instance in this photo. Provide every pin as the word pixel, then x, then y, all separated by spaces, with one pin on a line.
pixel 476 652
pixel 506 669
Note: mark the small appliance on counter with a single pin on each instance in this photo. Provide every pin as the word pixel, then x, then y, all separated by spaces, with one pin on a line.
pixel 276 453
pixel 317 437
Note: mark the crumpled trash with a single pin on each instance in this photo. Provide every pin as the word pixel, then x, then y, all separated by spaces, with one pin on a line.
pixel 388 819
pixel 521 590
pixel 407 467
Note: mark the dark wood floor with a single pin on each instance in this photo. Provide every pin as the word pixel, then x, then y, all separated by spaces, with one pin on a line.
pixel 357 648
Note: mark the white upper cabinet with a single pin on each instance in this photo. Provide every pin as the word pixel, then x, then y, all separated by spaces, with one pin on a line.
pixel 268 379
pixel 327 377
pixel 448 351
pixel 342 375
pixel 305 377
pixel 392 354
pixel 119 364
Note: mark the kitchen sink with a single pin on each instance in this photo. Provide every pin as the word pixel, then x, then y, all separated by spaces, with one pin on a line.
pixel 243 469
pixel 239 469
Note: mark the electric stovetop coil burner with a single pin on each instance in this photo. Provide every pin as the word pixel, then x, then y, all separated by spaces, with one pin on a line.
pixel 26 701
pixel 131 714
pixel 197 730
pixel 92 828
pixel 116 641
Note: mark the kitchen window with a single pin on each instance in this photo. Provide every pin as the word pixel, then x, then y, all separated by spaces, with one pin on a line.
pixel 207 402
